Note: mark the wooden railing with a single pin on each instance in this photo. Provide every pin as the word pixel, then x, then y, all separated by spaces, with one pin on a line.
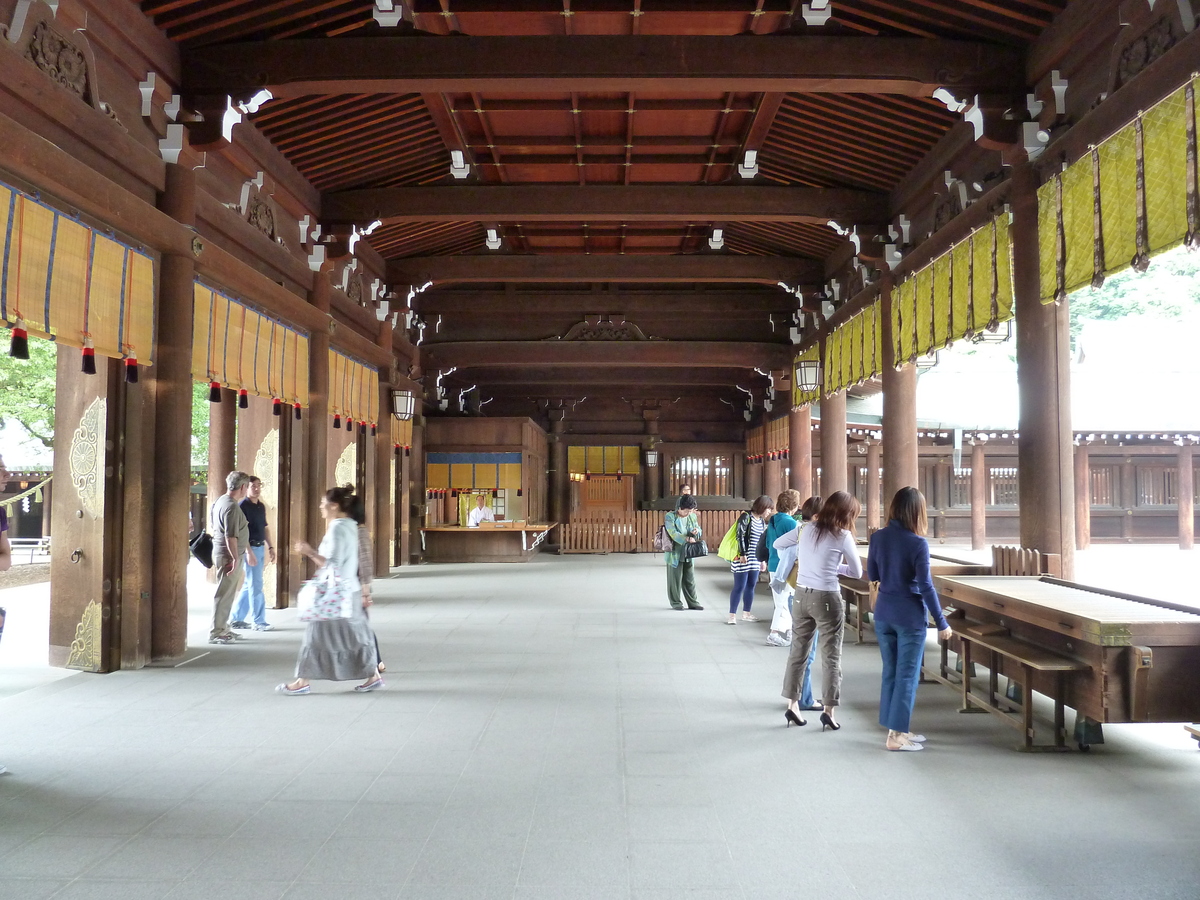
pixel 634 532
pixel 1020 561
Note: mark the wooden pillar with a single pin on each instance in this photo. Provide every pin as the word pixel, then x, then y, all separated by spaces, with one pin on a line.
pixel 1083 497
pixel 172 373
pixel 47 499
pixel 1044 448
pixel 740 471
pixel 559 510
pixel 316 431
pixel 772 477
pixel 1128 497
pixel 417 498
pixel 222 443
pixel 800 451
pixel 383 495
pixel 900 467
pixel 834 460
pixel 1186 493
pixel 872 485
pixel 979 494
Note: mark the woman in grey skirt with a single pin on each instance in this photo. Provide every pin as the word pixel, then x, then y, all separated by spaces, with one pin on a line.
pixel 337 649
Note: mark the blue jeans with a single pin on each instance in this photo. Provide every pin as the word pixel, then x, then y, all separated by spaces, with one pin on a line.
pixel 743 590
pixel 252 592
pixel 806 697
pixel 902 650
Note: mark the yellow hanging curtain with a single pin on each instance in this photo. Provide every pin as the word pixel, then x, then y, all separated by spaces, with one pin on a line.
pixel 903 311
pixel 72 284
pixel 353 390
pixel 1144 182
pixel 942 306
pixel 802 397
pixel 402 433
pixel 853 352
pixel 239 348
pixel 923 318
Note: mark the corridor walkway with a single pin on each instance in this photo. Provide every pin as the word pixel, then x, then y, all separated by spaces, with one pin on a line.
pixel 555 731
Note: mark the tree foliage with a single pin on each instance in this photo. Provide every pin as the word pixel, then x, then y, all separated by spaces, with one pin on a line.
pixel 27 389
pixel 1169 289
pixel 199 424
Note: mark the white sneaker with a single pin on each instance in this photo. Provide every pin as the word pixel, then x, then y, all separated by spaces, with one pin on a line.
pixel 774 640
pixel 264 627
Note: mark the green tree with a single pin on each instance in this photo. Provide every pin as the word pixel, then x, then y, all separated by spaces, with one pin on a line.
pixel 1170 288
pixel 199 424
pixel 27 389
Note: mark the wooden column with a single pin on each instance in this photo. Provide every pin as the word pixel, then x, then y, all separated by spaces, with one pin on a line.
pixel 1044 448
pixel 1083 497
pixel 772 477
pixel 222 444
pixel 979 494
pixel 172 373
pixel 316 428
pixel 559 510
pixel 383 494
pixel 417 499
pixel 872 485
pixel 1186 493
pixel 1128 496
pixel 800 451
pixel 900 468
pixel 754 480
pixel 834 460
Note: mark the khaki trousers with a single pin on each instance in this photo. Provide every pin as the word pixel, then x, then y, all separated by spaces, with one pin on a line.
pixel 823 612
pixel 227 590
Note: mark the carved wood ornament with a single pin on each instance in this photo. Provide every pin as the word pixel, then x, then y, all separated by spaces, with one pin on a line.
pixel 602 328
pixel 65 58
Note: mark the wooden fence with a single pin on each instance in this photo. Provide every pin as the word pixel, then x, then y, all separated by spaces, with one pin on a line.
pixel 634 532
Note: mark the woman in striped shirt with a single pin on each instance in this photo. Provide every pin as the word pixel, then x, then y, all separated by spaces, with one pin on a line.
pixel 747 564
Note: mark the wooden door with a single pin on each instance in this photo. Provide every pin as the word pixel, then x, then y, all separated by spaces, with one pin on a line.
pixel 86 551
pixel 606 495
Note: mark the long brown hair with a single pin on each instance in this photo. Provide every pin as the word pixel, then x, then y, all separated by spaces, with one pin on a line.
pixel 811 507
pixel 908 508
pixel 837 514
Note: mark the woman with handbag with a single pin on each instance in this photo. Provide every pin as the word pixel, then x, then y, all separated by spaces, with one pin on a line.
pixel 338 642
pixel 747 565
pixel 683 528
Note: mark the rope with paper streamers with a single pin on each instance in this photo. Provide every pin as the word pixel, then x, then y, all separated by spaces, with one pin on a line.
pixel 35 492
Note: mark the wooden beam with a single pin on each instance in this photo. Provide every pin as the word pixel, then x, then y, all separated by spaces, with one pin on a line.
pixel 696 376
pixel 619 354
pixel 750 302
pixel 603 203
pixel 573 268
pixel 595 63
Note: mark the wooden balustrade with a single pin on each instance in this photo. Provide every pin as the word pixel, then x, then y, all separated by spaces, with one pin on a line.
pixel 634 532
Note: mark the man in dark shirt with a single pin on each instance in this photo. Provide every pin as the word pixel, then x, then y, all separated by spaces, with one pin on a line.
pixel 251 601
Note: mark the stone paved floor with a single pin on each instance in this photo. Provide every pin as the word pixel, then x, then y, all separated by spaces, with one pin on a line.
pixel 555 731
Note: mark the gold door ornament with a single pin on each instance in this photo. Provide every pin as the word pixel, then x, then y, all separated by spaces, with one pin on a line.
pixel 343 472
pixel 85 649
pixel 87 459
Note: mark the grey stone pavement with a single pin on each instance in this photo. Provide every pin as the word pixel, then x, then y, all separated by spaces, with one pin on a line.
pixel 554 730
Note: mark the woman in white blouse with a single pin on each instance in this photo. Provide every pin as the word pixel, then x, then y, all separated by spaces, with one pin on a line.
pixel 338 649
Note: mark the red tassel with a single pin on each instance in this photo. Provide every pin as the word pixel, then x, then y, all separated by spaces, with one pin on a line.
pixel 297 409
pixel 243 399
pixel 337 421
pixel 89 361
pixel 214 392
pixel 374 430
pixel 397 451
pixel 131 370
pixel 277 407
pixel 406 450
pixel 362 427
pixel 19 348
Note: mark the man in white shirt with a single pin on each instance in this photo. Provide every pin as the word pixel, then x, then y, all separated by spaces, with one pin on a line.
pixel 480 513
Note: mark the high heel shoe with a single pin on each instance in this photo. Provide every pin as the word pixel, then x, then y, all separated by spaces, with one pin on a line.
pixel 792 719
pixel 827 722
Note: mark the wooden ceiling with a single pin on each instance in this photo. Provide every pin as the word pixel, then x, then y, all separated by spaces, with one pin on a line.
pixel 665 132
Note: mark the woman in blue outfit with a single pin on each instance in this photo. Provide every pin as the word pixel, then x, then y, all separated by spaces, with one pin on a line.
pixel 746 565
pixel 898 558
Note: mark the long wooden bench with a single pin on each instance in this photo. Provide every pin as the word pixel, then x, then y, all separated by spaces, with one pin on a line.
pixel 995 641
pixel 1194 731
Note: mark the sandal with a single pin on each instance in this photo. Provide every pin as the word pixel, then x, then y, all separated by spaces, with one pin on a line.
pixel 286 688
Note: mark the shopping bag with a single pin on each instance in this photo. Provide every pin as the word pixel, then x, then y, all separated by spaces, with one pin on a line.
pixel 729 545
pixel 324 597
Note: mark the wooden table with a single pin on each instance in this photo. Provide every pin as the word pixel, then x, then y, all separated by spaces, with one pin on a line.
pixel 857 592
pixel 1133 659
pixel 505 542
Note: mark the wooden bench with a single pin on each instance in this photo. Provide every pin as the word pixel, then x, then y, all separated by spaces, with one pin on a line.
pixel 1194 731
pixel 994 640
pixel 35 546
pixel 859 593
pixel 1021 561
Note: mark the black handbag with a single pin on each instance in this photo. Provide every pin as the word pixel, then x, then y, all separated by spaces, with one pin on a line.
pixel 202 548
pixel 693 550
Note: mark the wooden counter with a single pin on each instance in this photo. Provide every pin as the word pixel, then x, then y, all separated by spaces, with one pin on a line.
pixel 510 542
